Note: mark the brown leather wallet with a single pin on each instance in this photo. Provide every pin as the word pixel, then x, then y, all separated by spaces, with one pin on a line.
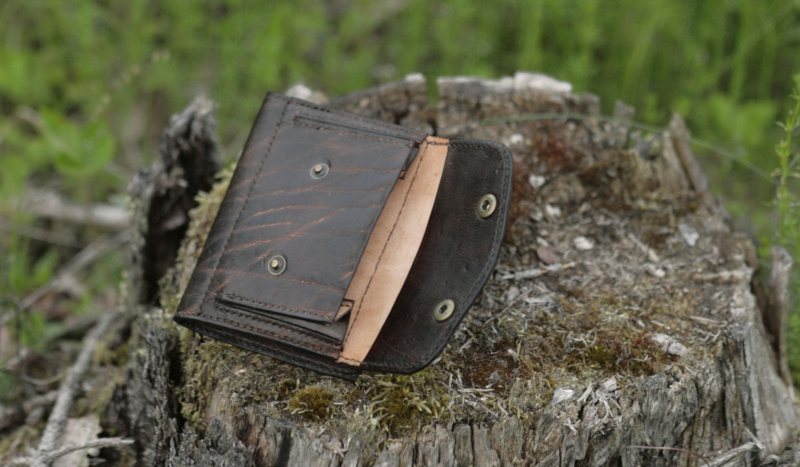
pixel 346 243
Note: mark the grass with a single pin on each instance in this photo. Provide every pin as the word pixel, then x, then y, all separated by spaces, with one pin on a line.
pixel 786 203
pixel 787 160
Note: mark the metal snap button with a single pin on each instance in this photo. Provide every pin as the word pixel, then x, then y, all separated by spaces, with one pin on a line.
pixel 276 265
pixel 319 171
pixel 444 309
pixel 486 206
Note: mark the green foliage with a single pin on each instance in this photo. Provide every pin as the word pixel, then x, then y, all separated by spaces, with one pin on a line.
pixel 123 57
pixel 21 273
pixel 78 151
pixel 739 123
pixel 15 80
pixel 786 200
pixel 86 86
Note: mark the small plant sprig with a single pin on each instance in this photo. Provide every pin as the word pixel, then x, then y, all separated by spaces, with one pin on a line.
pixel 789 228
pixel 788 222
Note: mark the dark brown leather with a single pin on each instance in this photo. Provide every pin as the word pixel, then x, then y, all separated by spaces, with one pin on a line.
pixel 455 260
pixel 321 227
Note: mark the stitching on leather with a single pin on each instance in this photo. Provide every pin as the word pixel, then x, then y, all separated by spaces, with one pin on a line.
pixel 497 239
pixel 395 132
pixel 360 362
pixel 399 214
pixel 271 321
pixel 495 244
pixel 310 363
pixel 386 364
pixel 351 116
pixel 287 101
pixel 285 308
pixel 456 143
pixel 291 358
pixel 265 332
pixel 244 201
pixel 350 133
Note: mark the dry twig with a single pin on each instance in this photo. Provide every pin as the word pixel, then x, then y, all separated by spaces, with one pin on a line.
pixel 44 203
pixel 46 451
pixel 70 385
pixel 44 459
pixel 535 272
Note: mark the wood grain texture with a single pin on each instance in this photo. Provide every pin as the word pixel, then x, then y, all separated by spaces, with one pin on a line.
pixel 653 338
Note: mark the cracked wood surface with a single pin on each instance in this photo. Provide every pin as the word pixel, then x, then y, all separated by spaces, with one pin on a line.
pixel 652 337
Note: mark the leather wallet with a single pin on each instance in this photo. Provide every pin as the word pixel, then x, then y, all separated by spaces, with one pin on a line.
pixel 346 243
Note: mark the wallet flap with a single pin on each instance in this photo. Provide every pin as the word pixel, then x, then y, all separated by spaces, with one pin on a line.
pixel 320 224
pixel 298 235
pixel 454 261
pixel 391 250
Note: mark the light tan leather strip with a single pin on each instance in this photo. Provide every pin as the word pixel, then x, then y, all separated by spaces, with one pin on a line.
pixel 391 249
pixel 344 309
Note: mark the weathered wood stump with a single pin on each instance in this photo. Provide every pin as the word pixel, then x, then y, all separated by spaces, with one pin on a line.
pixel 620 317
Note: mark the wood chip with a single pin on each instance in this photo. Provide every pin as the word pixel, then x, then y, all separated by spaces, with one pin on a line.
pixel 583 243
pixel 548 255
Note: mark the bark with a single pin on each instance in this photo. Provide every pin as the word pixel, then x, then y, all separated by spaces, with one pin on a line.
pixel 166 192
pixel 651 338
pixel 776 311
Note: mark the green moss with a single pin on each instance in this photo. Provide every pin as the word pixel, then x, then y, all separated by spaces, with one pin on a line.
pixel 585 333
pixel 493 366
pixel 312 403
pixel 98 399
pixel 115 357
pixel 600 355
pixel 622 350
pixel 285 388
pixel 202 217
pixel 401 403
pixel 202 361
pixel 398 402
pixel 590 337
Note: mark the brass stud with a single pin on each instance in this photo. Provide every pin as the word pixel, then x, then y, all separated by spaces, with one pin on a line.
pixel 444 310
pixel 486 206
pixel 319 171
pixel 276 265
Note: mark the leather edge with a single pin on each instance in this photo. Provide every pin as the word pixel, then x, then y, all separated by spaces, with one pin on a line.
pixel 415 365
pixel 263 345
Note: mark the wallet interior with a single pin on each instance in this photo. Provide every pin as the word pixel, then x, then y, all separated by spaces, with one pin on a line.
pixel 385 262
pixel 390 251
pixel 368 248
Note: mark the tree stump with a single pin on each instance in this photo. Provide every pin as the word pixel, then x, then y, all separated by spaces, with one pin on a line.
pixel 620 319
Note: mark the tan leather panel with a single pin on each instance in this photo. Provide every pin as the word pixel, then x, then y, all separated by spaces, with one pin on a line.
pixel 344 309
pixel 391 250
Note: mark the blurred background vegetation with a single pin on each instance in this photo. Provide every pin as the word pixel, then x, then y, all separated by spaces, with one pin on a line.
pixel 86 87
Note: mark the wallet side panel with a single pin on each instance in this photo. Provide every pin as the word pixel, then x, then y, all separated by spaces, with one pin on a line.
pixel 456 258
pixel 356 147
pixel 259 139
pixel 319 226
